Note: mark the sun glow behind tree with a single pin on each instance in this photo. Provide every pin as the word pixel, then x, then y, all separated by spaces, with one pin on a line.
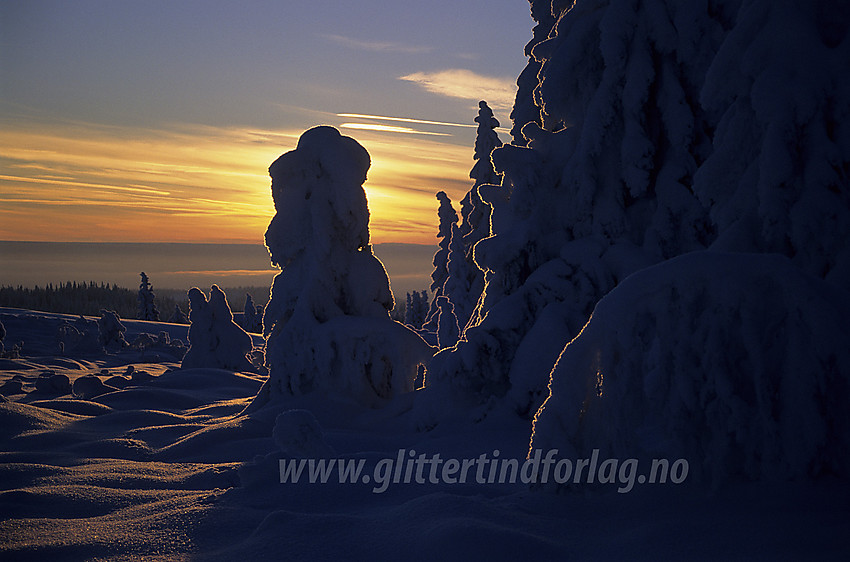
pixel 192 183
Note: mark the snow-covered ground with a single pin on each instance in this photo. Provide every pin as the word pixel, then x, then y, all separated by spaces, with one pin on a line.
pixel 166 468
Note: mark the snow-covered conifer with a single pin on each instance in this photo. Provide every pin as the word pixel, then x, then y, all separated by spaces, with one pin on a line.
pixel 448 221
pixel 417 309
pixel 486 141
pixel 736 362
pixel 465 279
pixel 215 340
pixel 661 129
pixel 147 300
pixel 253 316
pixel 447 331
pixel 178 316
pixel 327 324
pixel 111 330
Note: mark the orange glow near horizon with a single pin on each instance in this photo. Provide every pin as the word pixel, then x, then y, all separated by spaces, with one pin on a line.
pixel 201 184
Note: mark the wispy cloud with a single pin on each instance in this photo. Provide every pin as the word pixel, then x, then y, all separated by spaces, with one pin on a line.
pixel 385 46
pixel 227 272
pixel 403 120
pixel 389 129
pixel 465 84
pixel 51 180
pixel 189 183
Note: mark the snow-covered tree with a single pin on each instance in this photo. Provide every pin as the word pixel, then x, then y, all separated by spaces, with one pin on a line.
pixel 111 331
pixel 447 329
pixel 147 300
pixel 654 129
pixel 486 141
pixel 215 340
pixel 178 316
pixel 722 358
pixel 417 310
pixel 448 217
pixel 448 221
pixel 327 324
pixel 253 316
pixel 465 278
pixel 736 362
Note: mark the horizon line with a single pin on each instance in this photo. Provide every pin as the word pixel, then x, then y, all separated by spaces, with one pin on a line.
pixel 3 241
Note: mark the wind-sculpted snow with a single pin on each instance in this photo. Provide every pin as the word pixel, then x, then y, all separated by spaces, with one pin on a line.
pixel 327 324
pixel 737 363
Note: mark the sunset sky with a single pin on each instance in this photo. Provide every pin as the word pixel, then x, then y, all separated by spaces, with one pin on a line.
pixel 157 121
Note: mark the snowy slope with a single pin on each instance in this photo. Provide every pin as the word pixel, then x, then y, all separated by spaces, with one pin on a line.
pixel 167 469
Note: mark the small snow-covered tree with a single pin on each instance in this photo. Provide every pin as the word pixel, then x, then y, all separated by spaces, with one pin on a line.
pixel 327 324
pixel 448 220
pixel 447 329
pixel 486 141
pixel 253 316
pixel 424 307
pixel 147 300
pixel 178 316
pixel 448 217
pixel 111 330
pixel 215 340
pixel 417 309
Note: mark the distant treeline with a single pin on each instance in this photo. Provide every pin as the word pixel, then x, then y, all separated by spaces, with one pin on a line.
pixel 89 298
pixel 82 298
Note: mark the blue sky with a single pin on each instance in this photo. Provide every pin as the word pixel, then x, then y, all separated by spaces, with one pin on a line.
pixel 109 105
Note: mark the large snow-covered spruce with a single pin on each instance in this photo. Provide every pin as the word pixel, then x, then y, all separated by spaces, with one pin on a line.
pixel 737 363
pixel 215 340
pixel 653 129
pixel 327 324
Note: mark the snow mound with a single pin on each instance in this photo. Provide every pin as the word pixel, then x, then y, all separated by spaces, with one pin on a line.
pixel 737 363
pixel 52 383
pixel 16 419
pixel 90 386
pixel 297 433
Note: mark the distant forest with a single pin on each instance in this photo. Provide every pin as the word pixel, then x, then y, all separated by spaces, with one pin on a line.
pixel 89 298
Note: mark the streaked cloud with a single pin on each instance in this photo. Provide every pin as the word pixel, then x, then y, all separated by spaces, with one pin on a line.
pixel 385 46
pixel 81 182
pixel 66 181
pixel 227 272
pixel 465 84
pixel 389 129
pixel 403 120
